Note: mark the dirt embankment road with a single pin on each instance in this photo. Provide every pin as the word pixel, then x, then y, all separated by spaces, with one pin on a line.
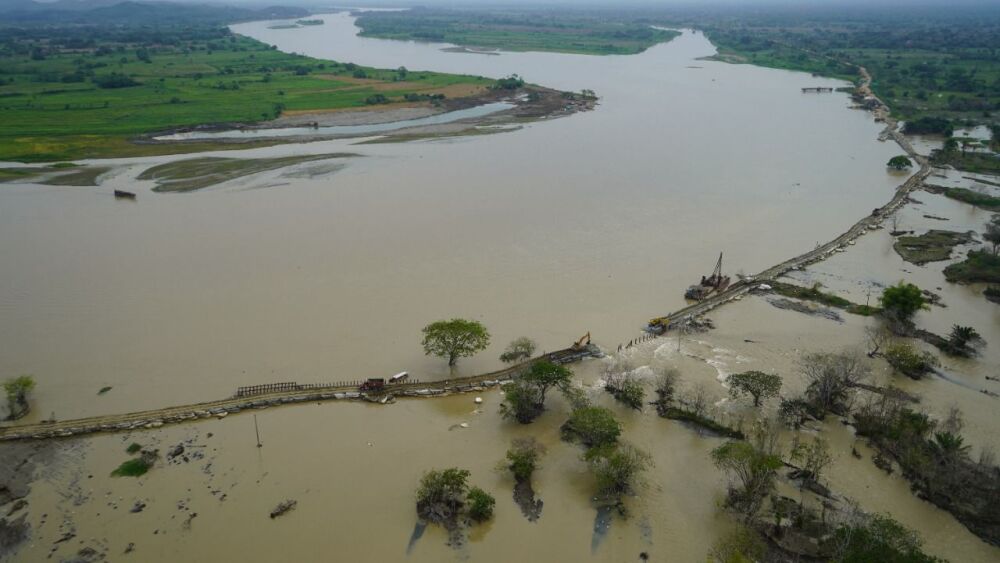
pixel 873 221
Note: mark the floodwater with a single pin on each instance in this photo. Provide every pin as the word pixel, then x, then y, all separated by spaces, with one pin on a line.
pixel 594 222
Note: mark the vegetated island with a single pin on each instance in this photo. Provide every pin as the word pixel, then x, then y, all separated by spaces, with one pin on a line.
pixel 106 90
pixel 563 31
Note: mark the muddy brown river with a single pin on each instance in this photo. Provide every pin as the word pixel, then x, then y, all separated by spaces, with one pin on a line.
pixel 593 222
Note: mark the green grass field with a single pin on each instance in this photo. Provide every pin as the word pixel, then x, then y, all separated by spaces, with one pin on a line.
pixel 959 84
pixel 534 30
pixel 54 109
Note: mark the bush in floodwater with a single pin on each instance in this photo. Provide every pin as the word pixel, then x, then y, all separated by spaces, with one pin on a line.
pixel 133 448
pixel 522 457
pixel 908 361
pixel 594 426
pixel 132 468
pixel 617 468
pixel 481 504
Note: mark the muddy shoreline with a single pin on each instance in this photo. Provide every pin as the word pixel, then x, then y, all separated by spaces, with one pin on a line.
pixel 530 103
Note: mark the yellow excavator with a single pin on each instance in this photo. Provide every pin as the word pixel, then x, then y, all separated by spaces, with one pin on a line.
pixel 658 325
pixel 583 341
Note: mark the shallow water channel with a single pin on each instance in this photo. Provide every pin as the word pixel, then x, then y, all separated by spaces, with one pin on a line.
pixel 595 222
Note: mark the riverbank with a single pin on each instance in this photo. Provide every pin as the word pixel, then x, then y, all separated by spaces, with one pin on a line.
pixel 99 103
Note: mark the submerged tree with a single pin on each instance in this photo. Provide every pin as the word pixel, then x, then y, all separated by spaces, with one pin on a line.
pixel 17 390
pixel 908 361
pixel 481 504
pixel 522 401
pixel 813 455
pixel 524 398
pixel 545 375
pixel 441 493
pixel 617 468
pixel 522 457
pixel 455 339
pixel 518 350
pixel 620 381
pixel 963 340
pixel 902 301
pixel 899 162
pixel 757 384
pixel 594 426
pixel 666 389
pixel 992 232
pixel 752 473
pixel 831 379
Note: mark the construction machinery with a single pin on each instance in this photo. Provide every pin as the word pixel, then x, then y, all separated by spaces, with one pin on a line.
pixel 583 342
pixel 708 285
pixel 659 325
pixel 373 385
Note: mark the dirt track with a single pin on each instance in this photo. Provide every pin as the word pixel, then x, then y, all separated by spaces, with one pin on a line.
pixel 156 418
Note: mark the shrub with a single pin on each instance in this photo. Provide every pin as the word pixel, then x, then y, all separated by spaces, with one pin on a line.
pixel 911 363
pixel 594 426
pixel 481 504
pixel 114 80
pixel 132 468
pixel 617 468
pixel 523 457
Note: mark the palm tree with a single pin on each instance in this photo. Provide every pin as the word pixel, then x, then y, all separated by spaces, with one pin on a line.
pixel 949 447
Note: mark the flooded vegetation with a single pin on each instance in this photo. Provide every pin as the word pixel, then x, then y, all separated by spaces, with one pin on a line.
pixel 841 409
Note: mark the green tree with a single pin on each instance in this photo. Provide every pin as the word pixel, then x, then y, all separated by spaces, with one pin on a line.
pixel 17 390
pixel 441 493
pixel 455 339
pixel 522 401
pixel 481 504
pixel 594 426
pixel 752 473
pixel 908 361
pixel 814 456
pixel 616 468
pixel 519 349
pixel 878 538
pixel 546 375
pixel 903 300
pixel 522 457
pixel 899 162
pixel 962 340
pixel 757 384
pixel 949 448
pixel 743 545
pixel 950 145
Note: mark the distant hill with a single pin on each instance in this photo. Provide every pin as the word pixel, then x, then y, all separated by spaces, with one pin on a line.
pixel 117 12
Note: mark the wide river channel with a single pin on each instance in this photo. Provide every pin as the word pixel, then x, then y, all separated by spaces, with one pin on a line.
pixel 594 222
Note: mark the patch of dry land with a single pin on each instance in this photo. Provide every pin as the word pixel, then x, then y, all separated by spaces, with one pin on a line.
pixel 197 173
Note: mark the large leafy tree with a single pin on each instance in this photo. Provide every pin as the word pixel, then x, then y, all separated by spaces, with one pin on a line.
pixel 524 399
pixel 899 162
pixel 757 384
pixel 546 375
pixel 454 339
pixel 594 426
pixel 519 349
pixel 903 300
pixel 752 472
